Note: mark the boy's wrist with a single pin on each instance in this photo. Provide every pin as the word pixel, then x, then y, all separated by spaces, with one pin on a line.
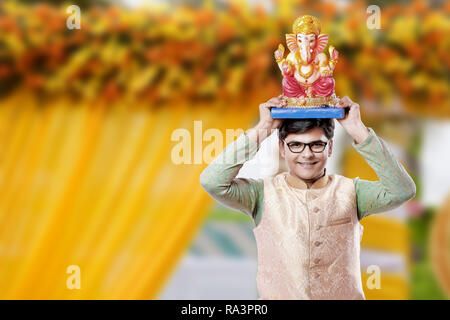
pixel 259 132
pixel 359 132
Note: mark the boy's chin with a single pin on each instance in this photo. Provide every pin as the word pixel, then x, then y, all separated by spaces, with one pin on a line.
pixel 306 175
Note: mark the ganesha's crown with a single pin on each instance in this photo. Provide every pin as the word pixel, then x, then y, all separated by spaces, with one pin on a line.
pixel 306 24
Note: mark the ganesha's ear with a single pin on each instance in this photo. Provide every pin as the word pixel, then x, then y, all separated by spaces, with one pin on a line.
pixel 322 41
pixel 291 41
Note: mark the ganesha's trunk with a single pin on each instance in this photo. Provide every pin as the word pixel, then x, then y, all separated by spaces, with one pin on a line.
pixel 305 53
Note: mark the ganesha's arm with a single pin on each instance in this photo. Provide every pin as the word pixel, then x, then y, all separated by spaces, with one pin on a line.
pixel 280 64
pixel 324 67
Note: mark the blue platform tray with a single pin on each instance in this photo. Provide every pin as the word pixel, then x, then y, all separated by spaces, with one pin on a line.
pixel 307 113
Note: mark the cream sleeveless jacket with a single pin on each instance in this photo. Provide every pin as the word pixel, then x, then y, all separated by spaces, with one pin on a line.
pixel 308 241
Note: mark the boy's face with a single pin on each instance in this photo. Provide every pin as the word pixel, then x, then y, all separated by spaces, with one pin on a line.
pixel 306 165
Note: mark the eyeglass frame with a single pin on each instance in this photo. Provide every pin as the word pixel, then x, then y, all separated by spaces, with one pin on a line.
pixel 306 144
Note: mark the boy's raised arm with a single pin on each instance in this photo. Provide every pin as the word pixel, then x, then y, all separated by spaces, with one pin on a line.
pixel 219 178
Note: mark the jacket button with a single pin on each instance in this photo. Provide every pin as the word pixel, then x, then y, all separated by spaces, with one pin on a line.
pixel 316 261
pixel 317 243
pixel 316 209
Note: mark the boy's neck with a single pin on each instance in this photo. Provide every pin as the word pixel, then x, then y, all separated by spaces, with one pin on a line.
pixel 316 183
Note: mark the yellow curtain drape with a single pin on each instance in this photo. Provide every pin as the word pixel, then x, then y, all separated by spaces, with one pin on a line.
pixel 93 185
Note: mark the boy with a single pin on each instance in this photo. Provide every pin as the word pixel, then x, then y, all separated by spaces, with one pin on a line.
pixel 307 226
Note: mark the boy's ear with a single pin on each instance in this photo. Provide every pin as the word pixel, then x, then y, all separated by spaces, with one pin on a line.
pixel 281 145
pixel 330 149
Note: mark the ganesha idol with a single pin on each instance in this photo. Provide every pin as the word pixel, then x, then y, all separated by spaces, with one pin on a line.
pixel 308 84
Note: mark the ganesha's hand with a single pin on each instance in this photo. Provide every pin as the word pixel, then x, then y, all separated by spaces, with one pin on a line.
pixel 288 69
pixel 279 54
pixel 333 57
pixel 325 72
pixel 334 54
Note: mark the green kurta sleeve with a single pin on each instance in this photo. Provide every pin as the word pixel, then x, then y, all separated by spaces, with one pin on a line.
pixel 220 182
pixel 395 185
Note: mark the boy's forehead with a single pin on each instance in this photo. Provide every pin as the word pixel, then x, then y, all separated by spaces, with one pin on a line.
pixel 313 134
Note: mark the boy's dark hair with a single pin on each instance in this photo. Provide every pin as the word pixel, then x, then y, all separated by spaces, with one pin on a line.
pixel 301 125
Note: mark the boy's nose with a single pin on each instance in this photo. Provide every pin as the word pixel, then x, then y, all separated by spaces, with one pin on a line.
pixel 307 153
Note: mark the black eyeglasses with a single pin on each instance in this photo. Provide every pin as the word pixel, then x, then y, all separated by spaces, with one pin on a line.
pixel 298 147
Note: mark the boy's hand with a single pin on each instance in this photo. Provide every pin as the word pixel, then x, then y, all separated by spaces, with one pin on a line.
pixel 265 118
pixel 352 122
pixel 263 129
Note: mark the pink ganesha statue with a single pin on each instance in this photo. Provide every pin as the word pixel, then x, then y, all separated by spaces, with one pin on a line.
pixel 307 71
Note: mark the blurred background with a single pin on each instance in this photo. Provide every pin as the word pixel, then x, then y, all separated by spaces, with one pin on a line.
pixel 87 116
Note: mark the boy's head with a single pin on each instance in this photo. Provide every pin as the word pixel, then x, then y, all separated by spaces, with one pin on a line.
pixel 305 162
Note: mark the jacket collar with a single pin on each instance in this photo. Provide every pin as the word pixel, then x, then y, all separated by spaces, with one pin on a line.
pixel 298 183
